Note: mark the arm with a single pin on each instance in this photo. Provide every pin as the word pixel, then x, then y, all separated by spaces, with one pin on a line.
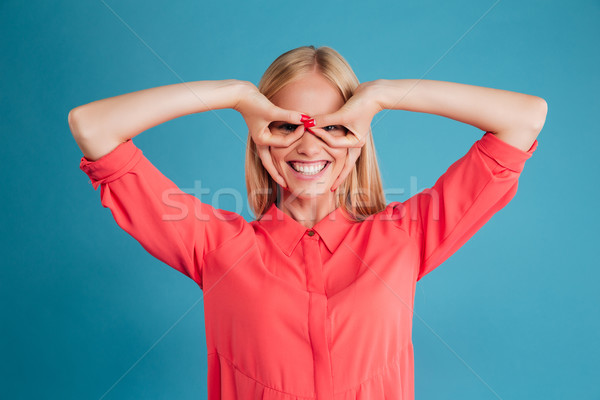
pixel 515 118
pixel 173 226
pixel 474 188
pixel 479 184
pixel 464 198
pixel 99 127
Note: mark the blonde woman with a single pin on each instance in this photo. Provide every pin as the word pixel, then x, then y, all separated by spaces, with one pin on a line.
pixel 314 298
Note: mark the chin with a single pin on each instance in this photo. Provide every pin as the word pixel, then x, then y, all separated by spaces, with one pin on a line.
pixel 309 193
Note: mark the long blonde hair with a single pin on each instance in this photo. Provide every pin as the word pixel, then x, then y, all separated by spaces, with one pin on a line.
pixel 361 194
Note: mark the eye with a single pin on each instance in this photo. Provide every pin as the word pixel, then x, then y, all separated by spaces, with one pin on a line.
pixel 287 127
pixel 336 129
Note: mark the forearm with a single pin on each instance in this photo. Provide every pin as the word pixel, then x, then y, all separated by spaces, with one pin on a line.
pixel 514 117
pixel 101 125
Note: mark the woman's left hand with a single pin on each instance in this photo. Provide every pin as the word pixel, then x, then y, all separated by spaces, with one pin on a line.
pixel 356 116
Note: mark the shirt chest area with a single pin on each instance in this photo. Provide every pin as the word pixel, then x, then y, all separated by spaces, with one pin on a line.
pixel 364 267
pixel 313 310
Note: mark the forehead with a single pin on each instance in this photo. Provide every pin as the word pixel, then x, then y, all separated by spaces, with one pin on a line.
pixel 312 94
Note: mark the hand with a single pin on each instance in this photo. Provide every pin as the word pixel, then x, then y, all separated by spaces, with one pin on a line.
pixel 356 116
pixel 259 113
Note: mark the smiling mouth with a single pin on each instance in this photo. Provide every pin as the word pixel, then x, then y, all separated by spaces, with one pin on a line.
pixel 308 168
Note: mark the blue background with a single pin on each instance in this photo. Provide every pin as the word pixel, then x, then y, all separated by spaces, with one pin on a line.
pixel 88 314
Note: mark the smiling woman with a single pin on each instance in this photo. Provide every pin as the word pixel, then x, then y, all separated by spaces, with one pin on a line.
pixel 315 82
pixel 308 194
pixel 314 298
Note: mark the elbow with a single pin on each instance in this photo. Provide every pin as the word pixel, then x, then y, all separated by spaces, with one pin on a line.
pixel 74 121
pixel 77 123
pixel 538 115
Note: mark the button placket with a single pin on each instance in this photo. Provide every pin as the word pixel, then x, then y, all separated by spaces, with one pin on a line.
pixel 317 315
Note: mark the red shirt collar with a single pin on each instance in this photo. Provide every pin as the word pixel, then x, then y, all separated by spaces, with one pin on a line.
pixel 286 232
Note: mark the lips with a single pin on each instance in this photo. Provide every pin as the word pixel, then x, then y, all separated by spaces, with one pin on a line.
pixel 308 167
pixel 308 170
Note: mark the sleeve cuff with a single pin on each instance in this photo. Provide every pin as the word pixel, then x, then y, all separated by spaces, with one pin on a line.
pixel 507 155
pixel 113 165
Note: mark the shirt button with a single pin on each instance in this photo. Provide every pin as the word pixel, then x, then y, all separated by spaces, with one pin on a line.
pixel 311 233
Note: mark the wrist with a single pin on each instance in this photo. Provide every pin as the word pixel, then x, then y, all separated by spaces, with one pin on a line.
pixel 392 93
pixel 378 91
pixel 241 89
pixel 202 96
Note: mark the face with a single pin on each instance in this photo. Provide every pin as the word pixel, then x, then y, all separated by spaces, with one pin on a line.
pixel 309 165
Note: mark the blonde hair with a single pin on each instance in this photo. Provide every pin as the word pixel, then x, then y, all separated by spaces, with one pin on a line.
pixel 361 193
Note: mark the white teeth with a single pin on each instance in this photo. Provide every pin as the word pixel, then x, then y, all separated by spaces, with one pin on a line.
pixel 307 169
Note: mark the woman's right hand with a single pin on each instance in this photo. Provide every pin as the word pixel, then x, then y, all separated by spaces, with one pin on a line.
pixel 259 113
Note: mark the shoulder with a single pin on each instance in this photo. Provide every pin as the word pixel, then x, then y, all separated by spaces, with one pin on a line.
pixel 395 216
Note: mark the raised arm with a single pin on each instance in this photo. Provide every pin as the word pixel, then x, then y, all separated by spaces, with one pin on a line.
pixel 475 187
pixel 515 118
pixel 174 226
pixel 99 127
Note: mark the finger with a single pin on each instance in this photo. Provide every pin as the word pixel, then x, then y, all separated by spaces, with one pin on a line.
pixel 281 114
pixel 267 138
pixel 285 140
pixel 336 118
pixel 348 140
pixel 325 136
pixel 359 139
pixel 265 156
pixel 353 154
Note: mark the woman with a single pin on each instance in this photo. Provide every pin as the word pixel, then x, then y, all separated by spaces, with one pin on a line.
pixel 314 298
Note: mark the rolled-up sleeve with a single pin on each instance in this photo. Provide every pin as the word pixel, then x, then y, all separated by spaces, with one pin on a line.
pixel 444 217
pixel 173 226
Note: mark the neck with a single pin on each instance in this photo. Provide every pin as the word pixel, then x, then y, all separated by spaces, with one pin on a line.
pixel 307 211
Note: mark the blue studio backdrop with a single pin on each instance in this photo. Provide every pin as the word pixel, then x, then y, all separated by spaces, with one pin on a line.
pixel 87 313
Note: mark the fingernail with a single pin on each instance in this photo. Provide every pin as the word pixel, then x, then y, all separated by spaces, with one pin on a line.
pixel 309 123
pixel 304 117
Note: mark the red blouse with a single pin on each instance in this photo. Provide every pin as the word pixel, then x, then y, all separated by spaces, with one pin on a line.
pixel 297 313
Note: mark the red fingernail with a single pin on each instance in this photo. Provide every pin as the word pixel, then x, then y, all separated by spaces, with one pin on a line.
pixel 309 123
pixel 304 117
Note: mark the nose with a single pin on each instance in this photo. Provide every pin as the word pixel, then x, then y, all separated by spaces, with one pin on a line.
pixel 309 144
